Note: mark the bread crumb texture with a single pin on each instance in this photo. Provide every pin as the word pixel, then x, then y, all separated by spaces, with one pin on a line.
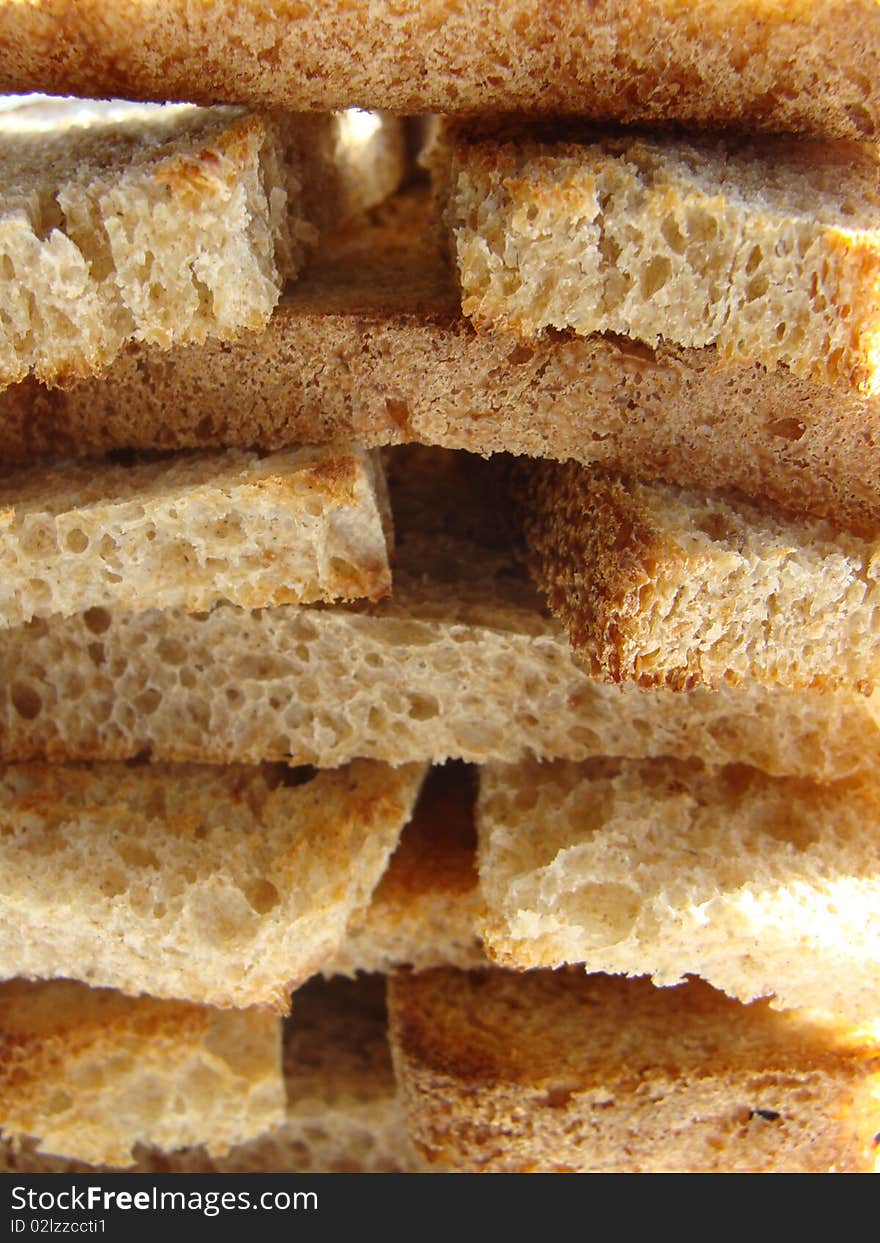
pixel 370 345
pixel 227 886
pixel 162 225
pixel 798 67
pixel 341 1113
pixel 301 525
pixel 760 885
pixel 666 586
pixel 564 1072
pixel 769 251
pixel 426 908
pixel 90 1074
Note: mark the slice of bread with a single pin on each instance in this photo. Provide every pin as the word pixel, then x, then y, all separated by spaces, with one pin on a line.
pixel 369 344
pixel 763 886
pixel 461 663
pixel 225 886
pixel 165 225
pixel 343 1115
pixel 427 908
pixel 560 1071
pixel 297 526
pixel 668 587
pixel 749 63
pixel 90 1074
pixel 768 251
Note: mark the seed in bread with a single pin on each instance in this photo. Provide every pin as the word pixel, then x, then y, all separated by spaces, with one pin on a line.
pixel 553 1071
pixel 225 886
pixel 90 1074
pixel 670 587
pixel 763 886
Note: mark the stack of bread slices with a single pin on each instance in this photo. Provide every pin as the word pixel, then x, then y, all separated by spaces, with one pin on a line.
pixel 440 555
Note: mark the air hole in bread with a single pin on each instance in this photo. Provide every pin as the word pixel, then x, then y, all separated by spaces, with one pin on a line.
pixel 26 701
pixel 97 620
pixel 77 541
pixel 262 895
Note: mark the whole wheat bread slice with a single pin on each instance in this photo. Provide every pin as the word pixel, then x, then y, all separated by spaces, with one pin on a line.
pixel 749 63
pixel 301 525
pixel 667 586
pixel 341 1116
pixel 560 1071
pixel 769 251
pixel 226 886
pixel 462 662
pixel 90 1074
pixel 369 344
pixel 763 886
pixel 160 225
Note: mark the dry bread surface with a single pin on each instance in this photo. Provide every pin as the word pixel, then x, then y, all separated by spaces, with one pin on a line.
pixel 561 1072
pixel 768 251
pixel 369 344
pixel 763 886
pixel 665 586
pixel 427 908
pixel 462 662
pixel 341 1116
pixel 227 886
pixel 91 1074
pixel 325 685
pixel 296 526
pixel 161 225
pixel 753 64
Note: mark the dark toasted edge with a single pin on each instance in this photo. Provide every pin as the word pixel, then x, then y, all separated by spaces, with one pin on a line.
pixel 592 547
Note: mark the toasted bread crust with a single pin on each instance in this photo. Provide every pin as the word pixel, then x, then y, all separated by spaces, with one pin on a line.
pixel 369 346
pixel 664 586
pixel 559 1071
pixel 591 547
pixel 757 64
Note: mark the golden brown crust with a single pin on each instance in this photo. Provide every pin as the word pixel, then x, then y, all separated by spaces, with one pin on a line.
pixel 436 849
pixel 374 349
pixel 591 548
pixel 551 1070
pixel 756 64
pixel 662 586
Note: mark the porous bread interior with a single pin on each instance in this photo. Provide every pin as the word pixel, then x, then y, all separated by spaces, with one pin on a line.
pixel 748 64
pixel 762 886
pixel 297 526
pixel 342 1114
pixel 91 1074
pixel 369 344
pixel 169 227
pixel 768 251
pixel 461 663
pixel 222 885
pixel 426 909
pixel 663 585
pixel 160 230
pixel 560 1071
